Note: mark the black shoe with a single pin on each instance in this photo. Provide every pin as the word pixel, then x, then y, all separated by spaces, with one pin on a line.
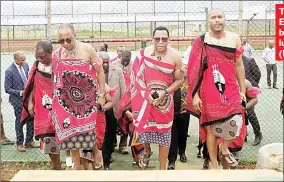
pixel 257 140
pixel 246 139
pixel 171 165
pixel 106 167
pixel 275 87
pixel 183 157
pixel 198 154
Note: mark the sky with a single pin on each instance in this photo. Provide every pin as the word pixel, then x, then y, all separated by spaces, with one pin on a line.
pixel 32 11
pixel 79 7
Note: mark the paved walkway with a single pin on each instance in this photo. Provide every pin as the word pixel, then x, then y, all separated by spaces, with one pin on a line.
pixel 177 175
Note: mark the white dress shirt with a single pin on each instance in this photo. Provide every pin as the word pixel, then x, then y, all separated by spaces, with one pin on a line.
pixel 269 55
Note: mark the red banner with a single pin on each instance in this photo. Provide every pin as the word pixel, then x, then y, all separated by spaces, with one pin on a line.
pixel 279 26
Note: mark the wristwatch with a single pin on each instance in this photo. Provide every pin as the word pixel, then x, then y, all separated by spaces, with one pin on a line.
pixel 102 94
pixel 167 93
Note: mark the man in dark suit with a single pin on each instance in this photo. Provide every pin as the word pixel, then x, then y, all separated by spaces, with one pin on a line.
pixel 15 80
pixel 253 74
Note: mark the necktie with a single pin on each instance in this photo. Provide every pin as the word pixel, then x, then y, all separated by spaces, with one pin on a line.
pixel 23 75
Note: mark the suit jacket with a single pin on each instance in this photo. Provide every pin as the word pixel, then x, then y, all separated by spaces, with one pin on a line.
pixel 14 84
pixel 252 71
pixel 116 78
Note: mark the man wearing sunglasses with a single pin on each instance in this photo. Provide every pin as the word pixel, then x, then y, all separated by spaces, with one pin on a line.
pixel 77 69
pixel 156 75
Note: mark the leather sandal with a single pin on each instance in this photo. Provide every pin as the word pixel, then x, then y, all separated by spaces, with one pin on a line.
pixel 229 158
pixel 144 160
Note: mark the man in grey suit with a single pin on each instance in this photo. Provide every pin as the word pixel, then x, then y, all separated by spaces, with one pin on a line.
pixel 253 75
pixel 114 77
pixel 15 80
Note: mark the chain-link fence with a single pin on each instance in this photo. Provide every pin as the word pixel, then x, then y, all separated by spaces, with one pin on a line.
pixel 130 23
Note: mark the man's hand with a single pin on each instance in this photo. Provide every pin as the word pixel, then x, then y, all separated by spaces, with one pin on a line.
pixel 102 101
pixel 31 109
pixel 159 100
pixel 197 103
pixel 129 115
pixel 243 96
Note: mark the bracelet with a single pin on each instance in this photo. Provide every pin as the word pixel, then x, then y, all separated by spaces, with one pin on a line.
pixel 102 94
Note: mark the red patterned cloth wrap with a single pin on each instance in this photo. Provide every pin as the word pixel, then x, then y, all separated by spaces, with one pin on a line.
pixel 40 85
pixel 75 97
pixel 146 76
pixel 212 74
pixel 125 126
pixel 100 129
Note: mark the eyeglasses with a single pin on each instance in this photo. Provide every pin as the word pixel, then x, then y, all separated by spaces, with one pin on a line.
pixel 158 39
pixel 40 57
pixel 68 40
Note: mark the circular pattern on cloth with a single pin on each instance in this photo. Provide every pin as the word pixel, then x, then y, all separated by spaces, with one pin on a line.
pixel 46 140
pixel 81 138
pixel 88 138
pixel 85 141
pixel 70 145
pixel 74 139
pixel 53 149
pixel 78 95
pixel 84 145
pixel 233 123
pixel 77 145
pixel 232 133
pixel 163 139
pixel 219 130
pixel 91 144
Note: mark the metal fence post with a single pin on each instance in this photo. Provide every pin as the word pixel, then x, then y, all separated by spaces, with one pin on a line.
pixel 48 20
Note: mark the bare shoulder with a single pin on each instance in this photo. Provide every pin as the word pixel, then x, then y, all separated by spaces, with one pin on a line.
pixel 148 50
pixel 233 35
pixel 87 46
pixel 176 56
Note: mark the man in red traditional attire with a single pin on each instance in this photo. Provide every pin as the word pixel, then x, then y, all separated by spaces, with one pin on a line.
pixel 156 75
pixel 78 86
pixel 216 86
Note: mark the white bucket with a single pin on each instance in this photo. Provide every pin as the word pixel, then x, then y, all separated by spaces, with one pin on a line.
pixel 270 157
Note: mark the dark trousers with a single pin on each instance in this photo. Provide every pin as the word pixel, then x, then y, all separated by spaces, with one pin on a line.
pixel 110 134
pixel 254 122
pixel 179 135
pixel 2 128
pixel 271 68
pixel 19 129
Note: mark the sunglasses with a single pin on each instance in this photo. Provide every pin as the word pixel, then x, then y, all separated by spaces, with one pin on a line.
pixel 67 40
pixel 158 39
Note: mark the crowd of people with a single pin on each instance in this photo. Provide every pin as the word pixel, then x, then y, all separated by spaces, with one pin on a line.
pixel 76 99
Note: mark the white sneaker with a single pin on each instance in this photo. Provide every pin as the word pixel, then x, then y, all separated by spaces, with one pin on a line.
pixel 69 161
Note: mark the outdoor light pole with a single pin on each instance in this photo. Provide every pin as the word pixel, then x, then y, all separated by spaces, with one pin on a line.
pixel 251 18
